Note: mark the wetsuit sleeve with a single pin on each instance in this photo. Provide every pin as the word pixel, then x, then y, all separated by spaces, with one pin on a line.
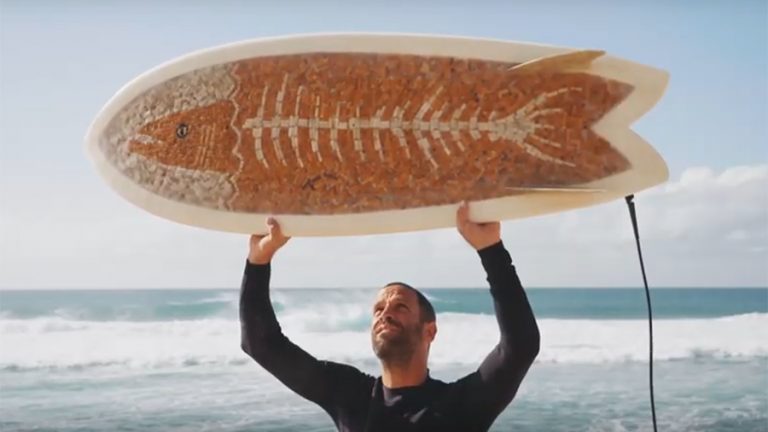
pixel 496 382
pixel 262 339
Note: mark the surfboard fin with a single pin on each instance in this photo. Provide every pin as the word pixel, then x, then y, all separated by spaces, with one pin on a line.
pixel 558 62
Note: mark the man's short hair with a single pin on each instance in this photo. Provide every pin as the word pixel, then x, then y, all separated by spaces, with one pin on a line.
pixel 426 311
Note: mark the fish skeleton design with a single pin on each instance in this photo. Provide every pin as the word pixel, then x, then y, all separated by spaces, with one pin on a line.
pixel 330 133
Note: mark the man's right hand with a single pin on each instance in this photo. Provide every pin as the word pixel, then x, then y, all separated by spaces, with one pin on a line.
pixel 264 247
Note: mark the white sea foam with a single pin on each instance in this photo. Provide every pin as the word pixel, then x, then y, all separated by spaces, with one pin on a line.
pixel 225 298
pixel 462 339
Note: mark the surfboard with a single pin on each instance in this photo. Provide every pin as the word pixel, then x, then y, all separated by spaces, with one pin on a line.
pixel 352 134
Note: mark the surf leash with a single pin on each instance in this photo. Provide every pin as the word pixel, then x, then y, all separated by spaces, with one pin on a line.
pixel 631 205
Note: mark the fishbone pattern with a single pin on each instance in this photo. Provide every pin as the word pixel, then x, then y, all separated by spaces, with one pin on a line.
pixel 519 127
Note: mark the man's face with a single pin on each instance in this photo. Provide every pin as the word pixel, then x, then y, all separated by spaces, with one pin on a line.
pixel 397 331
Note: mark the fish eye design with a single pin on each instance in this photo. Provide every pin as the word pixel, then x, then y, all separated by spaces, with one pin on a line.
pixel 182 130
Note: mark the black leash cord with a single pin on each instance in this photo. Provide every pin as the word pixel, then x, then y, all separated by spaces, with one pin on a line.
pixel 631 205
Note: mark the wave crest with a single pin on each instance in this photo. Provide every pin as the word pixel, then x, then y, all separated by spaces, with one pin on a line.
pixel 463 339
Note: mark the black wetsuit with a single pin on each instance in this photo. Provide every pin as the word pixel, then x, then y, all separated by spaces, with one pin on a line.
pixel 359 402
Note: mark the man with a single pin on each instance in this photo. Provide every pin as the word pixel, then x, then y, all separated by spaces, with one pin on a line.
pixel 405 397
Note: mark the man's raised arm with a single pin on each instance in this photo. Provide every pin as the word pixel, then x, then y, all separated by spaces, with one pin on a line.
pixel 261 336
pixel 498 378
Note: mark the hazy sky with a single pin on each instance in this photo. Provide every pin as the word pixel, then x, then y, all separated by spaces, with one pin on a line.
pixel 62 227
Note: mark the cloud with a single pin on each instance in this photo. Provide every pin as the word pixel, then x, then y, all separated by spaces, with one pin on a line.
pixel 704 228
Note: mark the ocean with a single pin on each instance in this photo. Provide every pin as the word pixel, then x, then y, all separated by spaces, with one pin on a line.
pixel 170 360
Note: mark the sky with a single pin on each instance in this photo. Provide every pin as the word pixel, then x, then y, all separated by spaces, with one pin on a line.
pixel 61 226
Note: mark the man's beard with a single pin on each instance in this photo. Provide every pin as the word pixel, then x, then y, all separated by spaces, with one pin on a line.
pixel 398 346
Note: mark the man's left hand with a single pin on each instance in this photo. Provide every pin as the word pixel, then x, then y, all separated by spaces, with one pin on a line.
pixel 478 235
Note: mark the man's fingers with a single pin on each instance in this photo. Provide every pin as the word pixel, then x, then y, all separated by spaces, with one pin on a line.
pixel 272 224
pixel 275 230
pixel 462 214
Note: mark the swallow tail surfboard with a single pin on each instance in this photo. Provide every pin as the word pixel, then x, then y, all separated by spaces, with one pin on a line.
pixel 348 134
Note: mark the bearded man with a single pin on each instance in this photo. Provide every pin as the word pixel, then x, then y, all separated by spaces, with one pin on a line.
pixel 404 397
